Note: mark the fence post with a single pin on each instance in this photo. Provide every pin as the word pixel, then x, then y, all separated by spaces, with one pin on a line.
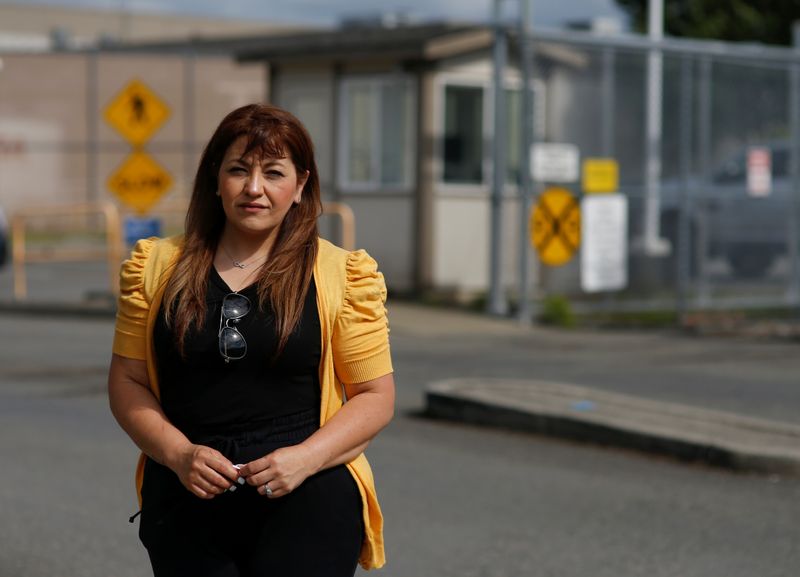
pixel 793 235
pixel 348 227
pixel 497 304
pixel 525 181
pixel 18 256
pixel 704 119
pixel 684 214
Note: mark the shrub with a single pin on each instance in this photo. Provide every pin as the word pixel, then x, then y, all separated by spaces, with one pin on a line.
pixel 557 311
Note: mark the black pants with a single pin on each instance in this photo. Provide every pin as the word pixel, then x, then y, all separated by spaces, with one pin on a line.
pixel 315 531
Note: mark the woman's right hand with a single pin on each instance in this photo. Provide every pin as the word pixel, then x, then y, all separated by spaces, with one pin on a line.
pixel 204 471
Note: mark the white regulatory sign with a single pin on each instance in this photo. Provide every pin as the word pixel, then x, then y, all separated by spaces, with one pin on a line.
pixel 604 251
pixel 759 171
pixel 555 162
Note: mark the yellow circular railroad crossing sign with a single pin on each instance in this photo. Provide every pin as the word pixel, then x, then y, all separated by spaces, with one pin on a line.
pixel 556 226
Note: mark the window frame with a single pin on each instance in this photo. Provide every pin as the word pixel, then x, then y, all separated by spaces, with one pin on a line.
pixel 376 83
pixel 512 81
pixel 463 81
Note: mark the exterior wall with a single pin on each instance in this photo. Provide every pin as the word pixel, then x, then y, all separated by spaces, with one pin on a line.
pixel 461 246
pixel 384 220
pixel 384 226
pixel 461 232
pixel 309 93
pixel 43 129
pixel 55 146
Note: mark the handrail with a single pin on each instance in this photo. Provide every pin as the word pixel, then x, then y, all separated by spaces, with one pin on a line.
pixel 113 250
pixel 21 254
pixel 344 212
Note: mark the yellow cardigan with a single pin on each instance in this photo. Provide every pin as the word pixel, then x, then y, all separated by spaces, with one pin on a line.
pixel 355 341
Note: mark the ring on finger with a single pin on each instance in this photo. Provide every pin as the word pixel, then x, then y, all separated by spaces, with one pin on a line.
pixel 267 490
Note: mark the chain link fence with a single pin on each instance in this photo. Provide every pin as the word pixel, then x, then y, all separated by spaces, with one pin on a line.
pixel 727 193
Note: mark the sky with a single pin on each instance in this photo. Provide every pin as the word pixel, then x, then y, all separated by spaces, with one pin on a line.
pixel 546 13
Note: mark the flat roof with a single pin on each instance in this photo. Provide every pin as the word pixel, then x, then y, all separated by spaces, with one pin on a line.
pixel 427 42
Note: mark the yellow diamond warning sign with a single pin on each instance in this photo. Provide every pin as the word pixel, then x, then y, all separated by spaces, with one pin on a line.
pixel 140 182
pixel 136 113
pixel 556 226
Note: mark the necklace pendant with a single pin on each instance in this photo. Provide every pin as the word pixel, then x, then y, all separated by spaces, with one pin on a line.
pixel 238 264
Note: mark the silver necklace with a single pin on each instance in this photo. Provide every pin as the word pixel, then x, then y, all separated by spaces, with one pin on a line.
pixel 238 263
pixel 245 279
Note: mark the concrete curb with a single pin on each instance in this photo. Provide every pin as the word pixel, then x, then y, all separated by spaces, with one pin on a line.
pixel 589 415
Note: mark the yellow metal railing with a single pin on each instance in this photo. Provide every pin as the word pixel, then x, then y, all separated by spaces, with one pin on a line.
pixel 339 209
pixel 22 254
pixel 114 247
pixel 345 213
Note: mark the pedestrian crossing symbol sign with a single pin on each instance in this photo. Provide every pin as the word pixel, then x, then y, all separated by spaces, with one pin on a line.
pixel 137 113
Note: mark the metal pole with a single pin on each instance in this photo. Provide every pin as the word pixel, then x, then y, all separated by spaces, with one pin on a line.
pixel 189 110
pixel 684 223
pixel 793 236
pixel 92 112
pixel 705 117
pixel 654 245
pixel 701 250
pixel 608 98
pixel 526 141
pixel 497 304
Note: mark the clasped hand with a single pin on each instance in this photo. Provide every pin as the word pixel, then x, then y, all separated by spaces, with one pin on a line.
pixel 283 470
pixel 206 472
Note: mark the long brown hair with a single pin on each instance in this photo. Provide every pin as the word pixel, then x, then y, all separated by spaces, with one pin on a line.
pixel 284 279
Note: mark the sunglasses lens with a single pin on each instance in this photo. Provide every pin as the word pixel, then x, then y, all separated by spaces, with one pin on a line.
pixel 235 306
pixel 231 343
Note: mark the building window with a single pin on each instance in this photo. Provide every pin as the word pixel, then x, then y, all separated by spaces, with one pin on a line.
pixel 377 147
pixel 463 134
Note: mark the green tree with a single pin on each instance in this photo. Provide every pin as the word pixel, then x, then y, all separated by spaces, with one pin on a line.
pixel 766 21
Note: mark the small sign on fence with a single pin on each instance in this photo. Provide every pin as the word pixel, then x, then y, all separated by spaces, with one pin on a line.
pixel 759 171
pixel 600 175
pixel 604 255
pixel 555 162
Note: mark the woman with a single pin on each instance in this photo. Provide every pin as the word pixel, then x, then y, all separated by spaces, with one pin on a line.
pixel 235 348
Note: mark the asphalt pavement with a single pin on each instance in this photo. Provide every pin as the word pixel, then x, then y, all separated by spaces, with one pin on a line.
pixel 460 500
pixel 751 424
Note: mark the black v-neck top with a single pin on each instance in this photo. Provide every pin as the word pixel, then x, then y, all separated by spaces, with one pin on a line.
pixel 203 395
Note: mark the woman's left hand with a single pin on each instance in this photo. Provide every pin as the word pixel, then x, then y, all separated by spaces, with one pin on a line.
pixel 283 470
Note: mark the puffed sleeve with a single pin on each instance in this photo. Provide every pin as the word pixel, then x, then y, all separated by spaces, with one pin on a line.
pixel 361 333
pixel 132 306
